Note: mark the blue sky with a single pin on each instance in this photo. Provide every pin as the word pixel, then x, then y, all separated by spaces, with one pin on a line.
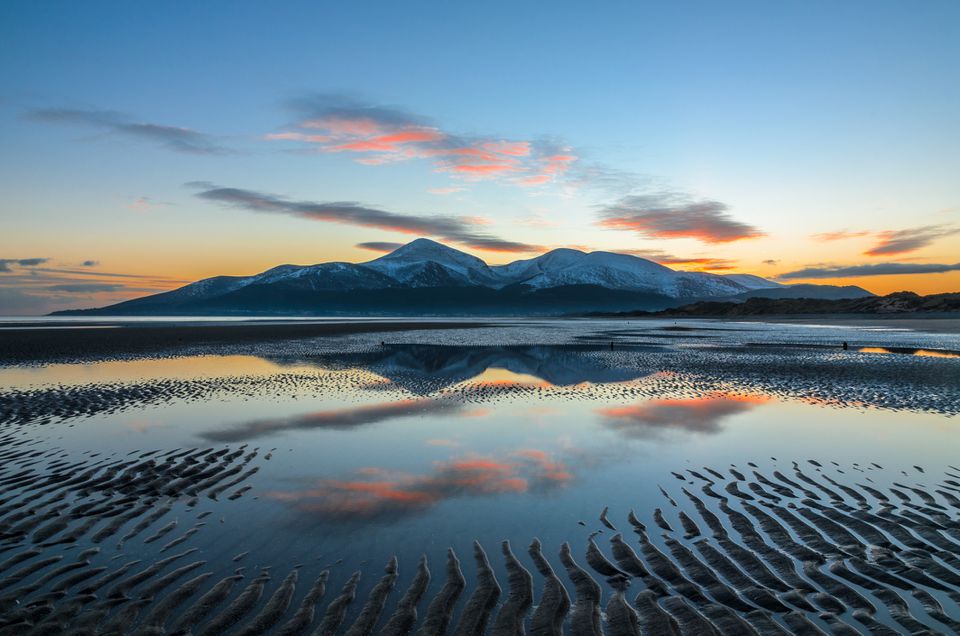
pixel 825 129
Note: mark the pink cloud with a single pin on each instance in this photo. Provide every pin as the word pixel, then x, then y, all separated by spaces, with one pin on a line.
pixel 535 180
pixel 409 136
pixel 345 126
pixel 477 220
pixel 514 149
pixel 482 168
pixel 380 136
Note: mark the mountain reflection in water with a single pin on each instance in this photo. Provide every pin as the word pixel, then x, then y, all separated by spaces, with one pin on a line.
pixel 423 369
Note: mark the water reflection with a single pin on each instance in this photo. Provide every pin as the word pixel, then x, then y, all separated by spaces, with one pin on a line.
pixel 654 418
pixel 924 353
pixel 425 368
pixel 339 419
pixel 381 494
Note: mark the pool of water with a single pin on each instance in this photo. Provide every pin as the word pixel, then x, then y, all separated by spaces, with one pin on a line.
pixel 368 449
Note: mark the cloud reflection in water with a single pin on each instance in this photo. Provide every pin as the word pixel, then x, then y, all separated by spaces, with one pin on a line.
pixel 375 494
pixel 655 418
pixel 339 419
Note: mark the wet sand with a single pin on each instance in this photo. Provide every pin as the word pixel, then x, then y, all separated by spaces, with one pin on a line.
pixel 793 551
pixel 936 323
pixel 47 342
pixel 97 542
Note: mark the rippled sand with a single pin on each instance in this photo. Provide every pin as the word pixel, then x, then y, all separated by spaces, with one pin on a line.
pixel 241 519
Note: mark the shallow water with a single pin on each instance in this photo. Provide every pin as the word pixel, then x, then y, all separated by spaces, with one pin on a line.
pixel 435 440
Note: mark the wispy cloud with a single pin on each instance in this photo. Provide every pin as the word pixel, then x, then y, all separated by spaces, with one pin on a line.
pixel 6 263
pixel 839 235
pixel 873 269
pixel 611 181
pixel 90 288
pixel 698 262
pixel 145 204
pixel 450 228
pixel 891 242
pixel 379 246
pixel 111 122
pixel 909 240
pixel 30 286
pixel 386 134
pixel 672 215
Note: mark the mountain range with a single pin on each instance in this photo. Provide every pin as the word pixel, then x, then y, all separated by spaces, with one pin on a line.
pixel 424 277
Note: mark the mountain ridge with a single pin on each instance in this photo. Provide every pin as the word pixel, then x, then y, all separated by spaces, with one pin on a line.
pixel 425 277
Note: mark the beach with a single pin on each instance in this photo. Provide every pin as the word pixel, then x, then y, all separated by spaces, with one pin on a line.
pixel 501 477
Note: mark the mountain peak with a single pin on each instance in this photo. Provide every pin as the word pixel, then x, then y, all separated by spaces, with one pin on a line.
pixel 423 249
pixel 421 243
pixel 424 262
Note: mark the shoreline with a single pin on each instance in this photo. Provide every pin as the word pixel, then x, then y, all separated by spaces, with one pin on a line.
pixel 937 323
pixel 40 343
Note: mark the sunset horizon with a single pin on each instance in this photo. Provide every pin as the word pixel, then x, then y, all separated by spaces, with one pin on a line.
pixel 794 160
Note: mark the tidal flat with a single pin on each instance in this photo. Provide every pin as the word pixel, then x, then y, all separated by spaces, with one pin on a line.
pixel 471 477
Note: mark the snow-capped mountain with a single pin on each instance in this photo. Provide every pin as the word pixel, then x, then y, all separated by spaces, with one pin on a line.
pixel 615 271
pixel 425 277
pixel 426 263
pixel 753 282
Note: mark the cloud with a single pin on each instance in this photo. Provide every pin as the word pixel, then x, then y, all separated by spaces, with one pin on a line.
pixel 89 263
pixel 379 246
pixel 142 204
pixel 88 288
pixel 839 235
pixel 663 258
pixel 376 494
pixel 454 229
pixel 85 273
pixel 29 288
pixel 874 269
pixel 655 418
pixel 386 134
pixel 909 240
pixel 5 263
pixel 890 242
pixel 676 216
pixel 607 179
pixel 770 261
pixel 115 123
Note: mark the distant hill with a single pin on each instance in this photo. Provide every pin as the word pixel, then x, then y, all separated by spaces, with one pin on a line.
pixel 824 292
pixel 897 303
pixel 424 277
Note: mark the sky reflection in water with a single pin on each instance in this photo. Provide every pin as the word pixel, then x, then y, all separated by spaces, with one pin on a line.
pixel 428 432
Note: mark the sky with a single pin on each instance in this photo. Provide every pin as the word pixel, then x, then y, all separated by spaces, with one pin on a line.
pixel 147 145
